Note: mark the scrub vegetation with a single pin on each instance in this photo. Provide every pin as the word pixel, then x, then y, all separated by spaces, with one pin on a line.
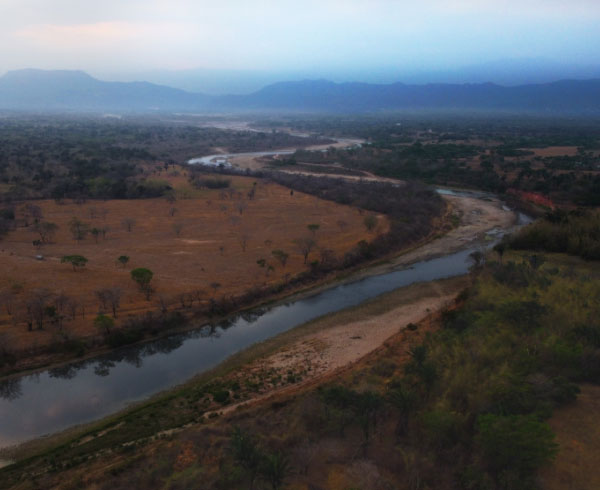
pixel 460 400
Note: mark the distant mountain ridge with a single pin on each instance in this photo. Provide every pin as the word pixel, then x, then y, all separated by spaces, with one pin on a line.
pixel 76 90
pixel 39 90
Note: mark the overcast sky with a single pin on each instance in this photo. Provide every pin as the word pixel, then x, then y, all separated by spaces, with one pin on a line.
pixel 128 35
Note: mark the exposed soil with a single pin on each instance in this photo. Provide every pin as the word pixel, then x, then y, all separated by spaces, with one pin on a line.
pixel 333 344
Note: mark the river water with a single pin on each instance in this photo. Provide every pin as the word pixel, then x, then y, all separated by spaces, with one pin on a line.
pixel 222 159
pixel 55 399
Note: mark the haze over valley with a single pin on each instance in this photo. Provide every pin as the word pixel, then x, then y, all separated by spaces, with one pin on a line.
pixel 300 245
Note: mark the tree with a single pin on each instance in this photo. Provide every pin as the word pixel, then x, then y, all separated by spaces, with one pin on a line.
pixel 78 229
pixel 313 227
pixel 281 256
pixel 95 233
pixel 477 258
pixel 36 307
pixel 342 224
pixel 104 323
pixel 170 197
pixel 123 259
pixel 128 223
pixel 243 239
pixel 241 206
pixel 305 245
pixel 110 297
pixel 327 256
pixel 177 227
pixel 500 248
pixel 77 261
pixel 45 230
pixel 370 222
pixel 275 468
pixel 31 211
pixel 215 286
pixel 61 301
pixel 143 277
pixel 246 453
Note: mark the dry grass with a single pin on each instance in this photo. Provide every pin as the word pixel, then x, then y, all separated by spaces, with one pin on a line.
pixel 207 250
pixel 577 465
pixel 554 151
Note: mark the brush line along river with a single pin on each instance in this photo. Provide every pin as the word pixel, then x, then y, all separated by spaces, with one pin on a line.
pixel 54 399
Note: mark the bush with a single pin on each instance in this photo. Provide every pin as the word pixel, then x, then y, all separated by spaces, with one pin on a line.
pixel 443 428
pixel 119 338
pixel 516 442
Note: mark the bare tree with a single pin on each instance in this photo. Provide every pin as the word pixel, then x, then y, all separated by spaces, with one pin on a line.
pixel 72 306
pixel 304 246
pixel 101 295
pixel 7 299
pixel 163 303
pixel 110 298
pixel 31 211
pixel 177 227
pixel 327 256
pixel 215 286
pixel 170 197
pixel 243 240
pixel 78 229
pixel 61 300
pixel 46 230
pixel 198 294
pixel 36 307
pixel 281 256
pixel 128 223
pixel 370 222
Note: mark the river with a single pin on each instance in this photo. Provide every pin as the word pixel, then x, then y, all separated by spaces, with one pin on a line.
pixel 48 401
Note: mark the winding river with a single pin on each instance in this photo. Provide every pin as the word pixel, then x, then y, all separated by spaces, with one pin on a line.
pixel 37 404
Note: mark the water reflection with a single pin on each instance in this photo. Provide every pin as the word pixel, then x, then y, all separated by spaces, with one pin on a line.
pixel 10 389
pixel 58 398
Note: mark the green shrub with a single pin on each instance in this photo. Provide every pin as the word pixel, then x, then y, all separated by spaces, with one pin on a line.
pixel 520 443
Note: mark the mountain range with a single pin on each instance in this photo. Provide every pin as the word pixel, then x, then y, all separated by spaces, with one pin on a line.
pixel 69 91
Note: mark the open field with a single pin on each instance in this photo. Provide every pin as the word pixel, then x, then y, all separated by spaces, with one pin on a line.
pixel 196 254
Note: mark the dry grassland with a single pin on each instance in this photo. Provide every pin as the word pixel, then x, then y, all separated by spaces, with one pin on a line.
pixel 207 250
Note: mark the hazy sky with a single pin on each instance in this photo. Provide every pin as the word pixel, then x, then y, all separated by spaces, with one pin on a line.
pixel 129 35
